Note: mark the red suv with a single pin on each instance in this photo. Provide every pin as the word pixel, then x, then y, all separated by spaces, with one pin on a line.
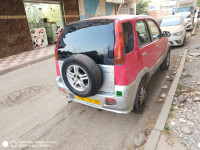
pixel 106 62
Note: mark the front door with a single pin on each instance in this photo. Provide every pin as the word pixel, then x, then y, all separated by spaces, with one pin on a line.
pixel 146 49
pixel 156 40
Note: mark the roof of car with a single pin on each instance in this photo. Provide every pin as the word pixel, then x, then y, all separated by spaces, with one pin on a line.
pixel 114 17
pixel 183 13
pixel 170 16
pixel 121 17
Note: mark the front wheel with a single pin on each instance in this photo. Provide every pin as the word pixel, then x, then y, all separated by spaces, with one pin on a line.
pixel 141 97
pixel 165 64
pixel 184 40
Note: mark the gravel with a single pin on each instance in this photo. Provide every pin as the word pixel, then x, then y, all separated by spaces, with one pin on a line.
pixel 186 122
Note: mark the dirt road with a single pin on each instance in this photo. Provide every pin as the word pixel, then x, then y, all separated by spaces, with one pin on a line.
pixel 33 113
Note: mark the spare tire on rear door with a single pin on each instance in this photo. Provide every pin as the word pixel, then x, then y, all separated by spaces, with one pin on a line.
pixel 82 75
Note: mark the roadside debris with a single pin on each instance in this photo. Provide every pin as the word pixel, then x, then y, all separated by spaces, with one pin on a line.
pixel 173 123
pixel 163 95
pixel 182 120
pixel 171 78
pixel 186 130
pixel 160 100
pixel 182 98
pixel 197 99
pixel 195 54
pixel 140 140
pixel 174 73
pixel 147 132
pixel 164 87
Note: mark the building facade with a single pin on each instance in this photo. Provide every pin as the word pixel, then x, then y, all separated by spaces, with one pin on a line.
pixel 29 24
pixel 15 26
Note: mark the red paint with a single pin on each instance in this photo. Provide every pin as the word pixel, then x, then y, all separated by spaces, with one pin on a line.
pixel 110 99
pixel 57 68
pixel 126 73
pixel 135 61
pixel 56 54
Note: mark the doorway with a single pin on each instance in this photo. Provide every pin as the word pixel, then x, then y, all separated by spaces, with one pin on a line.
pixel 45 21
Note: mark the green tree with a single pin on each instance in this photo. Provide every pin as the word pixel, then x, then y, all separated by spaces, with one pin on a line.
pixel 142 6
pixel 198 3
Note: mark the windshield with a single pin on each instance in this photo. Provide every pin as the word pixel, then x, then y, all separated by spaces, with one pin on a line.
pixel 185 9
pixel 92 38
pixel 186 15
pixel 172 21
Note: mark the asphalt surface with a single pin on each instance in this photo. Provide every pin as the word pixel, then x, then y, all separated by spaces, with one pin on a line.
pixel 33 115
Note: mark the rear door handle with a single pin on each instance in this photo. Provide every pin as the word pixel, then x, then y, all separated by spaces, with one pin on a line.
pixel 144 54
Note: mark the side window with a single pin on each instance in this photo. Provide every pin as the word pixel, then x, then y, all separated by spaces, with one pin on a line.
pixel 128 37
pixel 155 32
pixel 142 33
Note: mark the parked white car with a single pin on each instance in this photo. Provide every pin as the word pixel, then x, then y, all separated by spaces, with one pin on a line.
pixel 175 25
pixel 188 20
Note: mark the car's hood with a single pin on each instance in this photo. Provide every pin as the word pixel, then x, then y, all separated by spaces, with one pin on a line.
pixel 187 20
pixel 172 29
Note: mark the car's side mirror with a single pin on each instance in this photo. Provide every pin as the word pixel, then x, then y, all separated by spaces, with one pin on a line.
pixel 166 34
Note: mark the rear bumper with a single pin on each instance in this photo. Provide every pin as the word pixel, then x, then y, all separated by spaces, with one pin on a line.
pixel 123 105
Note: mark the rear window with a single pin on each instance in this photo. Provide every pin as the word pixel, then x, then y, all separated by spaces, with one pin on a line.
pixel 185 15
pixel 172 21
pixel 93 38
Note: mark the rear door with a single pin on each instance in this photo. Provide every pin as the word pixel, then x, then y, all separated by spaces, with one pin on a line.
pixel 155 37
pixel 146 49
pixel 96 39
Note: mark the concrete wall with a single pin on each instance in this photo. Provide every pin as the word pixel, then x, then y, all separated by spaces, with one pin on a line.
pixel 14 30
pixel 156 14
pixel 95 8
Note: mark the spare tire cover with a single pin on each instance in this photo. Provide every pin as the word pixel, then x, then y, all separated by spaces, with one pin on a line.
pixel 82 75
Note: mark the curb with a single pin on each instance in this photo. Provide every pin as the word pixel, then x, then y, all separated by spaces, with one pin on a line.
pixel 25 64
pixel 162 118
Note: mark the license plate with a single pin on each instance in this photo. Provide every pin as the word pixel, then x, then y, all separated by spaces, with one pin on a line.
pixel 90 100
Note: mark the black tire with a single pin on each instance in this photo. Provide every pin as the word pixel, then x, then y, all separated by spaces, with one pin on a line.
pixel 184 41
pixel 92 70
pixel 139 104
pixel 166 62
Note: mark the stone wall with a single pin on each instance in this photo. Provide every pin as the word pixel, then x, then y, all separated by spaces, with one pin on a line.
pixel 14 30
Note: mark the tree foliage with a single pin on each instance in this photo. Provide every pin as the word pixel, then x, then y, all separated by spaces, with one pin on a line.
pixel 142 6
pixel 198 3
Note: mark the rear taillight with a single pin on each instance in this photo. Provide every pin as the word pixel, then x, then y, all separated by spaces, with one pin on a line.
pixel 110 101
pixel 119 55
pixel 56 55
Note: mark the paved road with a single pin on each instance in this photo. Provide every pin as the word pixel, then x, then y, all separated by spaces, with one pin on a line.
pixel 31 109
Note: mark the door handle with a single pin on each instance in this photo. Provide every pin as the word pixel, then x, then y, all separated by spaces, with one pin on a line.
pixel 157 45
pixel 144 54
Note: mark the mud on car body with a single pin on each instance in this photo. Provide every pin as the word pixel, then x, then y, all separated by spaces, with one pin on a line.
pixel 106 62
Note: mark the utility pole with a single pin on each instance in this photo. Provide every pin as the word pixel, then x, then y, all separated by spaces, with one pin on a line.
pixel 134 4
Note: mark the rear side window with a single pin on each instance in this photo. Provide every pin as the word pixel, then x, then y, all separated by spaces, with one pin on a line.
pixel 142 33
pixel 155 32
pixel 128 37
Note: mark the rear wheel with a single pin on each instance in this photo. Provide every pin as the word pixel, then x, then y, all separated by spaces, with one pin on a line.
pixel 165 64
pixel 184 41
pixel 141 97
pixel 82 75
